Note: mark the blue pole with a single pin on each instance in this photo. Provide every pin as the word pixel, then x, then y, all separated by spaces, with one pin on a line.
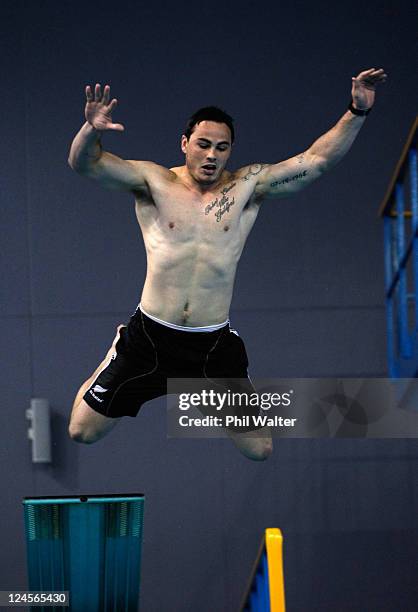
pixel 414 207
pixel 405 345
pixel 388 246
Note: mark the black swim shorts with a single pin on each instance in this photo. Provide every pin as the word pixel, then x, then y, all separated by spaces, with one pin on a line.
pixel 148 353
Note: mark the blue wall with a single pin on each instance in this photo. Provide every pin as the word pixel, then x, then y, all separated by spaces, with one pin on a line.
pixel 308 300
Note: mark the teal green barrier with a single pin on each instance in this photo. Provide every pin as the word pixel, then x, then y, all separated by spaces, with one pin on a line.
pixel 88 545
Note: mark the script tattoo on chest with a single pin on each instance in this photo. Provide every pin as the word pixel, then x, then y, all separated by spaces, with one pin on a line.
pixel 222 204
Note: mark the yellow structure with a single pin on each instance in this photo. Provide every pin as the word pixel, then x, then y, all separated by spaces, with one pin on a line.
pixel 274 548
pixel 265 589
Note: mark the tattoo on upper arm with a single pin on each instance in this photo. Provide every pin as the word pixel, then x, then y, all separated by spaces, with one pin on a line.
pixel 289 179
pixel 223 203
pixel 253 171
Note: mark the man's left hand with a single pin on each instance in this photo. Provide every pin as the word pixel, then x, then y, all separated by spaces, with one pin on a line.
pixel 364 87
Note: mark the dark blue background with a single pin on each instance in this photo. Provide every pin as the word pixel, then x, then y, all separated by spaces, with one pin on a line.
pixel 308 299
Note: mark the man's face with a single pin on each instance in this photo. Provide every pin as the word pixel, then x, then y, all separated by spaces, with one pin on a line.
pixel 207 151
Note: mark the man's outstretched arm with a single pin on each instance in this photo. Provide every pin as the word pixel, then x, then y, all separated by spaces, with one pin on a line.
pixel 292 175
pixel 87 156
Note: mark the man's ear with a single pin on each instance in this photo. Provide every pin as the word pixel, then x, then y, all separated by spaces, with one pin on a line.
pixel 184 143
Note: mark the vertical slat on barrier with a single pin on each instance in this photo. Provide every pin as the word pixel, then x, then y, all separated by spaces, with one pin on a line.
pixel 135 525
pixel 265 594
pixel 412 158
pixel 45 542
pixel 388 246
pixel 259 591
pixel 85 552
pixel 405 350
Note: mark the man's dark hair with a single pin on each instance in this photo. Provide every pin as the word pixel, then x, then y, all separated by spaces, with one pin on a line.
pixel 209 113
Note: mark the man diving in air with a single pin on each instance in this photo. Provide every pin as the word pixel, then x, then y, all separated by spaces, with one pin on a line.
pixel 195 220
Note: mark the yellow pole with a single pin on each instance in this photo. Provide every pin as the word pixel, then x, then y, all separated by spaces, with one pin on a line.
pixel 274 547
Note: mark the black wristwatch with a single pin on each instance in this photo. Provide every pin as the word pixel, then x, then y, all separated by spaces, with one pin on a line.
pixel 358 111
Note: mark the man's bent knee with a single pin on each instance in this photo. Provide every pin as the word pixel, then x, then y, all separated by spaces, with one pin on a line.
pixel 82 435
pixel 261 450
pixel 86 425
pixel 255 445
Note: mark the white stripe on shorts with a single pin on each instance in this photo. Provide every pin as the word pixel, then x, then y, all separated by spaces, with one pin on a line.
pixel 205 328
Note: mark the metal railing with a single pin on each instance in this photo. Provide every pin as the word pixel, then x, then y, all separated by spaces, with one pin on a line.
pixel 399 210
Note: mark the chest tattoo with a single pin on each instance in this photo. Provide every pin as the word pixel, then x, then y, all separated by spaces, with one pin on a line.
pixel 222 204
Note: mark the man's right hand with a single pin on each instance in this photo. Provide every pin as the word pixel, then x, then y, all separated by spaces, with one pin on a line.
pixel 98 109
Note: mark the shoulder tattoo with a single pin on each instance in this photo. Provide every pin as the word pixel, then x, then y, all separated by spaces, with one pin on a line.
pixel 253 170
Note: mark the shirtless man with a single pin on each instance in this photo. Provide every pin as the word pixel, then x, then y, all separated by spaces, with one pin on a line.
pixel 195 220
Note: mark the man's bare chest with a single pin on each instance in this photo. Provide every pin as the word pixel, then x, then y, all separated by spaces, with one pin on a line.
pixel 216 210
